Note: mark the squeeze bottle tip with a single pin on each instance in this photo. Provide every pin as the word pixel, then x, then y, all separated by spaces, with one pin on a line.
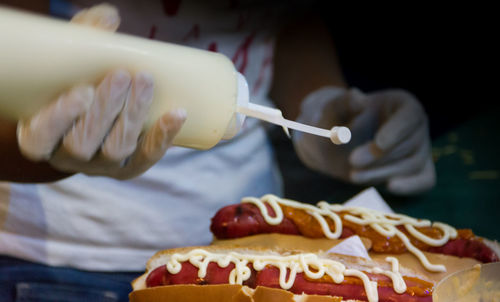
pixel 338 134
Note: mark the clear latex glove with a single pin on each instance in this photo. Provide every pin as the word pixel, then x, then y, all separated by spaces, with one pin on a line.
pixel 98 130
pixel 390 139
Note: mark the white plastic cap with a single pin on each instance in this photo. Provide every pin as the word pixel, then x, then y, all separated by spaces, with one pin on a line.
pixel 340 135
pixel 242 99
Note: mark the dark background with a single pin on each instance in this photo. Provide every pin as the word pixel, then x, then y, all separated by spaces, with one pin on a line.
pixel 445 57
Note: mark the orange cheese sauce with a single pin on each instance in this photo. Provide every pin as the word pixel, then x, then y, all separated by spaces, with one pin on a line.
pixel 309 227
pixel 414 286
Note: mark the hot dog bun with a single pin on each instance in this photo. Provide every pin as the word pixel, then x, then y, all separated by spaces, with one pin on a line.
pixel 227 292
pixel 286 242
pixel 223 292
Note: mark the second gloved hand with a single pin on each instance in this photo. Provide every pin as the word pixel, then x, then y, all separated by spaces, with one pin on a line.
pixel 390 139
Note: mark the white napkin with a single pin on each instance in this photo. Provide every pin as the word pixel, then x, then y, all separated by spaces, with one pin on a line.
pixel 371 199
pixel 353 246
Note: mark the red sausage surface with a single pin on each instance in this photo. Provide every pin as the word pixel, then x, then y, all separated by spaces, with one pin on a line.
pixel 245 219
pixel 269 277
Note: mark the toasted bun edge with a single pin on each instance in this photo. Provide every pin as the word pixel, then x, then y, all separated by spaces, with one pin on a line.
pixel 223 292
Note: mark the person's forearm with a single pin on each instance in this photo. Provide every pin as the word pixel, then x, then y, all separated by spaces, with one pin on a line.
pixel 14 167
pixel 305 60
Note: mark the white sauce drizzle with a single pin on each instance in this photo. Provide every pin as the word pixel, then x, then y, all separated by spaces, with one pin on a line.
pixel 299 263
pixel 383 223
pixel 398 283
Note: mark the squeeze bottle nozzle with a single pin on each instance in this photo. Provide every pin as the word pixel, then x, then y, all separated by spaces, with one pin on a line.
pixel 337 134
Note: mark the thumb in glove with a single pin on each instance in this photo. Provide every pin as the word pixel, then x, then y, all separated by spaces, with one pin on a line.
pixel 102 16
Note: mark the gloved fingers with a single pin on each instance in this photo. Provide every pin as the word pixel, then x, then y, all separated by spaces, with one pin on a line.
pixel 87 135
pixel 405 166
pixel 103 16
pixel 357 101
pixel 39 135
pixel 121 142
pixel 154 144
pixel 99 165
pixel 365 155
pixel 331 106
pixel 318 153
pixel 406 147
pixel 369 153
pixel 405 115
pixel 343 109
pixel 64 161
pixel 314 103
pixel 419 182
pixel 363 126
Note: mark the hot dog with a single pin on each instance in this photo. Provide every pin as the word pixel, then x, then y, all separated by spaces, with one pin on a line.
pixel 389 233
pixel 245 274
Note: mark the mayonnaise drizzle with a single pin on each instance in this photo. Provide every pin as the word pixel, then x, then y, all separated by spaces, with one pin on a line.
pixel 398 283
pixel 313 266
pixel 383 223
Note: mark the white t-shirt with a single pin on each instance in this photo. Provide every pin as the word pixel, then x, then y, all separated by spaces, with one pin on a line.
pixel 98 223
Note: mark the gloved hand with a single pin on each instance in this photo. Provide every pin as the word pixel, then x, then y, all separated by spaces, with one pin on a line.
pixel 390 139
pixel 98 130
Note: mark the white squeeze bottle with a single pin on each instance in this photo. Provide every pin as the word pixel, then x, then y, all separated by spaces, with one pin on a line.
pixel 41 57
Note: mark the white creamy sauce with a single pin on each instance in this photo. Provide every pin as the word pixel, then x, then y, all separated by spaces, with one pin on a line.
pixel 398 284
pixel 311 265
pixel 383 223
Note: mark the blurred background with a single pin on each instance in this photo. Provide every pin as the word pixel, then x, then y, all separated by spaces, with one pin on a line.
pixel 445 57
